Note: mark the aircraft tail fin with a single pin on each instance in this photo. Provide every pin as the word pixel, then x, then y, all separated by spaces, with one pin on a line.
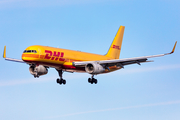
pixel 115 48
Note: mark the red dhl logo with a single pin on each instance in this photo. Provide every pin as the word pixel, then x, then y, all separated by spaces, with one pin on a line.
pixel 116 47
pixel 54 55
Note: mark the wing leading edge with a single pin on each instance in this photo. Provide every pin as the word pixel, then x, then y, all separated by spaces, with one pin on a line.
pixel 123 62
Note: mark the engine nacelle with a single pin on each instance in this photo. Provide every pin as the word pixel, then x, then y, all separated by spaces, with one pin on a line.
pixel 38 70
pixel 94 68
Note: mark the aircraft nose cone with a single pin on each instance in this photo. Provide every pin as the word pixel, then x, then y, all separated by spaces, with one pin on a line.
pixel 29 57
pixel 24 58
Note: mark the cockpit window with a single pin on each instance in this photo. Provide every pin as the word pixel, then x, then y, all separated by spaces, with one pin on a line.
pixel 30 51
pixel 34 51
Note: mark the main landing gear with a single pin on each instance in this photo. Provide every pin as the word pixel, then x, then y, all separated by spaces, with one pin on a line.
pixel 61 80
pixel 92 80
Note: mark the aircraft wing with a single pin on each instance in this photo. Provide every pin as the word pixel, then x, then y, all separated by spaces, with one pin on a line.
pixel 11 59
pixel 122 62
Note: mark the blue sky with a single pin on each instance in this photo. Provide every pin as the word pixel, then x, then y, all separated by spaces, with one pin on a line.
pixel 150 91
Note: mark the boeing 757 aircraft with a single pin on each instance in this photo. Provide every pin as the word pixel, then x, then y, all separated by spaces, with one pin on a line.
pixel 40 58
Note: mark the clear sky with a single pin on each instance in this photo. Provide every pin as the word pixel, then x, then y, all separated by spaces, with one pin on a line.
pixel 147 92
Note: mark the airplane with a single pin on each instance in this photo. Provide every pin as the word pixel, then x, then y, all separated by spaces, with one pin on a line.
pixel 40 58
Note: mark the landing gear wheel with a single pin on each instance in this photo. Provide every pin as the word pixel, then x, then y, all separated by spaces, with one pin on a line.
pixel 89 80
pixel 92 80
pixel 58 80
pixel 64 82
pixel 61 81
pixel 95 81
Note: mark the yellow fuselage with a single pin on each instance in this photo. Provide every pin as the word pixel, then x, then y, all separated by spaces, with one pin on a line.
pixel 60 58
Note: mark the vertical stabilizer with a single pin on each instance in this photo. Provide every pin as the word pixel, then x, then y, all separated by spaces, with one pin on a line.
pixel 115 48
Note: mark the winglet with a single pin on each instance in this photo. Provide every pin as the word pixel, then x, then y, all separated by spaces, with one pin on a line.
pixel 4 54
pixel 174 48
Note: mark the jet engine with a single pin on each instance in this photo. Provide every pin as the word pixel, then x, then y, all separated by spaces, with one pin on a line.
pixel 94 68
pixel 38 70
